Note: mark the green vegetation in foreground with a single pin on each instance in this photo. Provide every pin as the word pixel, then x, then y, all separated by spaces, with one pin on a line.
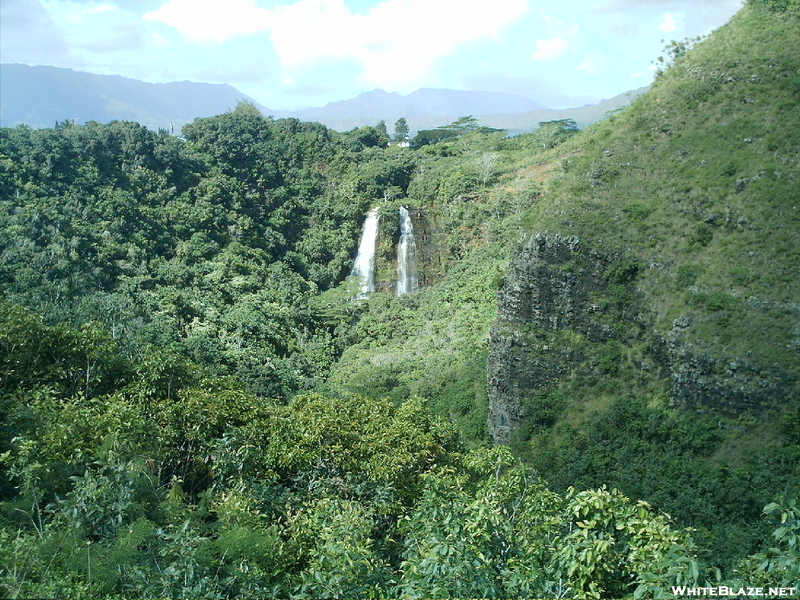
pixel 194 406
pixel 185 486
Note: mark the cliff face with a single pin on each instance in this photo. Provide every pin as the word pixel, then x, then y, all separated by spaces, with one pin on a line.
pixel 429 248
pixel 732 384
pixel 565 311
pixel 553 287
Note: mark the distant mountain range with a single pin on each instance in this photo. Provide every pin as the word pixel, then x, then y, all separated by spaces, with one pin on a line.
pixel 428 108
pixel 41 96
pixel 379 104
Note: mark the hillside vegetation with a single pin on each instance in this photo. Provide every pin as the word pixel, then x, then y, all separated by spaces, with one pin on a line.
pixel 196 402
pixel 700 178
pixel 679 378
pixel 686 201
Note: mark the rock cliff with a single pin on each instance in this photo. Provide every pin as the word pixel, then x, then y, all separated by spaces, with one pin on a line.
pixel 565 311
pixel 553 286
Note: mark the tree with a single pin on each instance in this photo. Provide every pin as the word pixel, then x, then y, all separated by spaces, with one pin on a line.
pixel 552 133
pixel 612 546
pixel 370 137
pixel 674 50
pixel 458 128
pixel 401 130
pixel 381 126
pixel 779 564
pixel 484 165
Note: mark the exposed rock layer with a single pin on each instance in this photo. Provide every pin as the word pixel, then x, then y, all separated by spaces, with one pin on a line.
pixel 561 302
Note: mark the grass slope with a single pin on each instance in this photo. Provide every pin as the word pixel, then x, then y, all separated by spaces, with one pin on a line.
pixel 699 177
pixel 697 181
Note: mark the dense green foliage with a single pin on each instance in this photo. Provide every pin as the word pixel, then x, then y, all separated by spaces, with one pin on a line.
pixel 696 182
pixel 453 131
pixel 209 249
pixel 200 489
pixel 195 404
pixel 203 490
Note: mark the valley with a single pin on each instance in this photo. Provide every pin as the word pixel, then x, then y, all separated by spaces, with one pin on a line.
pixel 272 359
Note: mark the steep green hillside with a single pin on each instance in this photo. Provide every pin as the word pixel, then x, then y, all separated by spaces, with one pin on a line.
pixel 650 322
pixel 649 327
pixel 700 178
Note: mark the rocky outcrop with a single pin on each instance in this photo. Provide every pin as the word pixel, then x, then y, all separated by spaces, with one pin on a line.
pixel 553 285
pixel 563 306
pixel 429 248
pixel 732 384
pixel 549 284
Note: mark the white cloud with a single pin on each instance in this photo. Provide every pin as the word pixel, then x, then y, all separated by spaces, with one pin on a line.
pixel 95 27
pixel 100 8
pixel 159 41
pixel 75 13
pixel 669 23
pixel 200 20
pixel 551 48
pixel 396 41
pixel 648 73
pixel 288 53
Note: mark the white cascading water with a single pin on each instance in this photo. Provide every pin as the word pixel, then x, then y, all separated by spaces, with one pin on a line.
pixel 364 267
pixel 406 256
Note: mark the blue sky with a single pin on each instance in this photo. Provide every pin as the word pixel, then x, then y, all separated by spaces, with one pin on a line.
pixel 290 54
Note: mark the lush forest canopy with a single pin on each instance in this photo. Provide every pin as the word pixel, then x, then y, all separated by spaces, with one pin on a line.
pixel 195 403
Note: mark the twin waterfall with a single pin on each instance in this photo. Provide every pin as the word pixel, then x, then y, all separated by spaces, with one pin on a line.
pixel 364 266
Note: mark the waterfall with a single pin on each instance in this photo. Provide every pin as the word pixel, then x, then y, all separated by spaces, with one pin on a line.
pixel 406 256
pixel 364 267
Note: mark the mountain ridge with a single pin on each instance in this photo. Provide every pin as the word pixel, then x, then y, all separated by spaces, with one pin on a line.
pixel 39 96
pixel 438 102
